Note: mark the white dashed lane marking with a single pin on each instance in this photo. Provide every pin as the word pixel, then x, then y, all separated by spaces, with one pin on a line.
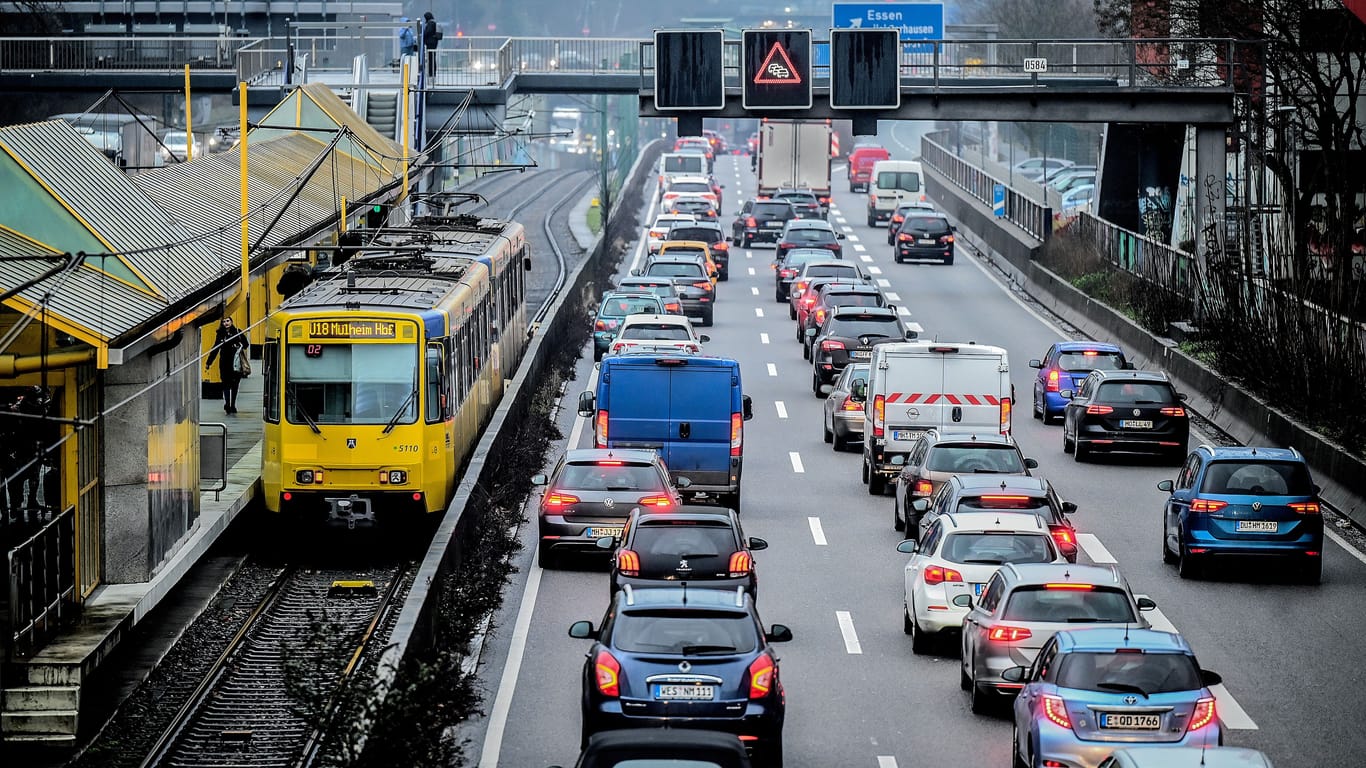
pixel 751 271
pixel 903 311
pixel 846 623
pixel 796 459
pixel 883 282
pixel 782 409
pixel 817 532
pixel 847 228
pixel 886 761
pixel 865 257
pixel 758 311
pixel 763 338
pixel 859 247
pixel 1231 713
pixel 893 296
pixel 875 270
pixel 772 369
pixel 852 238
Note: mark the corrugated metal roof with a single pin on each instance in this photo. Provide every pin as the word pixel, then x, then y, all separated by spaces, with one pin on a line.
pixel 107 203
pixel 409 292
pixel 388 149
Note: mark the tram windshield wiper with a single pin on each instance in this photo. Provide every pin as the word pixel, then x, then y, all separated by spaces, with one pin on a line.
pixel 393 420
pixel 299 409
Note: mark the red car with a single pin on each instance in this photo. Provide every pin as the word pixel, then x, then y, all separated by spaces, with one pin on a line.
pixel 861 162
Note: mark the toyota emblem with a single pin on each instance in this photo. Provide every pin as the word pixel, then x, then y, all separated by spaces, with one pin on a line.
pixel 1137 412
pixel 1131 700
pixel 1256 506
pixel 912 413
pixel 684 666
pixel 608 503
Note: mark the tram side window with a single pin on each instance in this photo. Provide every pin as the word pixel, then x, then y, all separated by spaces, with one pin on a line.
pixel 270 404
pixel 436 384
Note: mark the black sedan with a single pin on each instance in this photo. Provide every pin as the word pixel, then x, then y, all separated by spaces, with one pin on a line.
pixel 761 220
pixel 804 202
pixel 787 267
pixel 1125 411
pixel 848 336
pixel 704 546
pixel 811 233
pixel 924 235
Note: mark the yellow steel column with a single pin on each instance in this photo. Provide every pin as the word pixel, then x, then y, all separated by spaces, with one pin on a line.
pixel 189 124
pixel 242 149
pixel 406 99
pixel 343 214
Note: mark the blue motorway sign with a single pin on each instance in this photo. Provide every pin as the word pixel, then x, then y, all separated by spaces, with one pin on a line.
pixel 998 200
pixel 917 21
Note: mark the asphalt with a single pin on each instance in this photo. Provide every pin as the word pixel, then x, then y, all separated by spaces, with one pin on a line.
pixel 1287 652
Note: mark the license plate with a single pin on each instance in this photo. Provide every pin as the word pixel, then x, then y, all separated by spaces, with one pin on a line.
pixel 774 223
pixel 1136 424
pixel 672 692
pixel 926 242
pixel 977 589
pixel 903 434
pixel 598 533
pixel 1129 722
pixel 861 354
pixel 1257 526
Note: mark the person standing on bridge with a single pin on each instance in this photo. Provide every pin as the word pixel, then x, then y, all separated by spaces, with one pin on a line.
pixel 228 346
pixel 407 39
pixel 430 37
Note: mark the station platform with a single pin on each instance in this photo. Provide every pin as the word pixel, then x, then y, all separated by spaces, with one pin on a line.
pixel 50 682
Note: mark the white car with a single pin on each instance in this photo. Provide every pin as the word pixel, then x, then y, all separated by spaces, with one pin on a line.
pixel 957 554
pixel 657 333
pixel 659 230
pixel 1078 198
pixel 177 145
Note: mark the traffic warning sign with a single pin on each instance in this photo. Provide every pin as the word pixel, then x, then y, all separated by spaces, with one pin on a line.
pixel 777 67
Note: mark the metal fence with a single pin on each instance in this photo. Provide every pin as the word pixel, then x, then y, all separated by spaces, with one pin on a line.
pixel 1030 215
pixel 42 583
pixel 129 52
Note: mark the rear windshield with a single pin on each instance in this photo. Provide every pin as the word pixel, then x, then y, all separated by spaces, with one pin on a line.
pixel 796 197
pixel 1259 478
pixel 798 258
pixel 772 211
pixel 706 546
pixel 853 299
pixel 806 235
pixel 593 476
pixel 1129 672
pixel 690 186
pixel 1090 361
pixel 908 181
pixel 1076 606
pixel 660 331
pixel 703 234
pixel 694 631
pixel 680 164
pixel 692 206
pixel 986 457
pixel 659 289
pixel 831 270
pixel 1006 502
pixel 672 269
pixel 1135 393
pixel 624 307
pixel 685 251
pixel 666 222
pixel 927 223
pixel 997 548
pixel 887 327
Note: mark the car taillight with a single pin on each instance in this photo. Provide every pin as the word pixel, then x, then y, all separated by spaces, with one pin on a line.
pixel 872 199
pixel 946 239
pixel 922 488
pixel 850 404
pixel 787 272
pixel 879 414
pixel 808 301
pixel 824 200
pixel 1052 385
pixel 1173 411
pixel 673 307
pixel 655 501
pixel 820 316
pixel 1056 711
pixel 904 237
pixel 656 234
pixel 833 246
pixel 898 219
pixel 722 246
pixel 740 563
pixel 1004 634
pixel 608 672
pixel 1099 410
pixel 628 563
pixel 750 222
pixel 708 196
pixel 737 433
pixel 1005 415
pixel 1202 716
pixel 558 500
pixel 702 284
pixel 1305 507
pixel 600 432
pixel 830 345
pixel 935 574
pixel 761 676
pixel 1207 505
pixel 1064 537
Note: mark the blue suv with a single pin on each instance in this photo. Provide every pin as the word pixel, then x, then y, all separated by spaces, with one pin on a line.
pixel 1243 501
pixel 1064 367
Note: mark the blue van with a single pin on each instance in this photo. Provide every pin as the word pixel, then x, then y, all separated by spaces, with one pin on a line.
pixel 689 408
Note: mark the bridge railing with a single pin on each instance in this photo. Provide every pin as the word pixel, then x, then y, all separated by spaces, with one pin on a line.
pixel 41 576
pixel 1032 216
pixel 129 52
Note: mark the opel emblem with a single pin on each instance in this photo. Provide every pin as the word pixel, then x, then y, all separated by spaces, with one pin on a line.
pixel 1131 700
pixel 1137 412
pixel 912 413
pixel 1256 506
pixel 608 503
pixel 684 666
pixel 350 442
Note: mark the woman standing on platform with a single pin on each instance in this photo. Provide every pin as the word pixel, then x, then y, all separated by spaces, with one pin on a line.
pixel 229 346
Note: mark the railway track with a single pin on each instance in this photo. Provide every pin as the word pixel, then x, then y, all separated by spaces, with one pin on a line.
pixel 309 633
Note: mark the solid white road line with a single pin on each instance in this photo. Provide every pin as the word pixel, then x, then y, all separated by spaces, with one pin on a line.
pixel 875 270
pixel 865 257
pixel 751 271
pixel 772 369
pixel 817 532
pixel 886 761
pixel 859 247
pixel 1231 713
pixel 1341 542
pixel 758 311
pixel 763 338
pixel 796 459
pixel 883 282
pixel 893 296
pixel 782 409
pixel 1094 549
pixel 846 623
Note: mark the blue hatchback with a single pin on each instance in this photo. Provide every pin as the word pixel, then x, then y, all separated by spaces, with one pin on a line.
pixel 1243 501
pixel 1065 367
pixel 1091 691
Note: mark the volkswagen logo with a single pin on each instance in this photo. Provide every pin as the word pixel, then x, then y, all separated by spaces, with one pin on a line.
pixel 912 413
pixel 1131 700
pixel 607 502
pixel 1137 412
pixel 1256 506
pixel 684 666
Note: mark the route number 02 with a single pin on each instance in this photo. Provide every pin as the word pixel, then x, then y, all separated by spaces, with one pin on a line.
pixel 1036 65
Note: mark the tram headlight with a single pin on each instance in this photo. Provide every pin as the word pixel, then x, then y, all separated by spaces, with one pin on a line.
pixel 304 477
pixel 393 477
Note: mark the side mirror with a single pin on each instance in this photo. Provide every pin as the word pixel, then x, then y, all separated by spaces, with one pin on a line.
pixel 1031 463
pixel 810 333
pixel 1182 396
pixel 746 407
pixel 1069 507
pixel 539 480
pixel 587 404
pixel 635 273
pixel 1146 604
pixel 720 186
pixel 583 630
pixel 606 542
pixel 682 482
pixel 704 338
pixel 953 227
pixel 911 335
pixel 827 389
pixel 839 235
pixel 1317 489
pixel 908 547
pixel 898 460
pixel 1210 679
pixel 1066 394
pixel 757 544
pixel 1036 363
pixel 962 601
pixel 526 263
pixel 778 633
pixel 1166 485
pixel 1128 366
pixel 1014 674
pixel 921 505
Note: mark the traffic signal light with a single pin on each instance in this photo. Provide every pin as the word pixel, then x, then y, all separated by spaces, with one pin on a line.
pixel 377 215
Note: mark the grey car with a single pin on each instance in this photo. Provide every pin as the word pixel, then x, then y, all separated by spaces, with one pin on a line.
pixel 1025 604
pixel 842 417
pixel 936 456
pixel 592 491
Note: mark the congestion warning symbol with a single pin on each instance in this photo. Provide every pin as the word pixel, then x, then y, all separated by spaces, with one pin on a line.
pixel 777 68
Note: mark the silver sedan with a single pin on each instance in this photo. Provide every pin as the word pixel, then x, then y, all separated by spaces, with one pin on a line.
pixel 842 416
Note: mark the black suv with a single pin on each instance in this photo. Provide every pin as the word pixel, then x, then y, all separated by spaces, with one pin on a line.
pixel 704 546
pixel 848 336
pixel 804 202
pixel 994 493
pixel 1125 411
pixel 829 293
pixel 924 235
pixel 761 221
pixel 708 232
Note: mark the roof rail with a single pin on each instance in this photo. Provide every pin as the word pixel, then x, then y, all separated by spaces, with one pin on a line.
pixel 630 594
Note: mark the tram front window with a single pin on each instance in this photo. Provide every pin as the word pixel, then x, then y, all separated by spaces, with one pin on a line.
pixel 351 384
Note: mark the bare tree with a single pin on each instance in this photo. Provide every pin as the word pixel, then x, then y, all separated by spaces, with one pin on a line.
pixel 1034 18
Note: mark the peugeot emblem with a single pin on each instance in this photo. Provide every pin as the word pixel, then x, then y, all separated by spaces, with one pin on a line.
pixel 1256 506
pixel 350 442
pixel 607 502
pixel 683 565
pixel 1131 700
pixel 684 666
pixel 1137 412
pixel 912 413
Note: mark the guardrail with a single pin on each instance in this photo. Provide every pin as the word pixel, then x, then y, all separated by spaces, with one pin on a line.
pixel 1030 215
pixel 42 583
pixel 128 52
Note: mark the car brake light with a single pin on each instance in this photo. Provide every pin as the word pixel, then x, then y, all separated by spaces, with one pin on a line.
pixel 1009 501
pixel 787 272
pixel 1005 415
pixel 740 563
pixel 628 562
pixel 656 234
pixel 600 433
pixel 611 463
pixel 1071 586
pixel 655 501
pixel 922 488
pixel 702 284
pixel 946 239
pixel 820 316
pixel 824 200
pixel 750 222
pixel 872 199
pixel 1004 634
pixel 1173 411
pixel 1064 537
pixel 608 674
pixel 830 345
pixel 1099 410
pixel 557 500
pixel 850 404
pixel 1052 385
pixel 1207 505
pixel 809 300
pixel 935 574
pixel 737 432
pixel 898 219
pixel 1203 715
pixel 761 676
pixel 879 414
pixel 1055 709
pixel 1305 507
pixel 833 246
pixel 904 237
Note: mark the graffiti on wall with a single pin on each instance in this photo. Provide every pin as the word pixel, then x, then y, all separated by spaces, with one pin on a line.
pixel 1155 212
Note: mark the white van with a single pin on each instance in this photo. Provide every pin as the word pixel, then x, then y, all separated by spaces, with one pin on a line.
pixel 921 385
pixel 677 164
pixel 894 182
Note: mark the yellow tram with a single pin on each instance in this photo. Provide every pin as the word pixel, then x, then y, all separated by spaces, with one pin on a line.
pixel 380 376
